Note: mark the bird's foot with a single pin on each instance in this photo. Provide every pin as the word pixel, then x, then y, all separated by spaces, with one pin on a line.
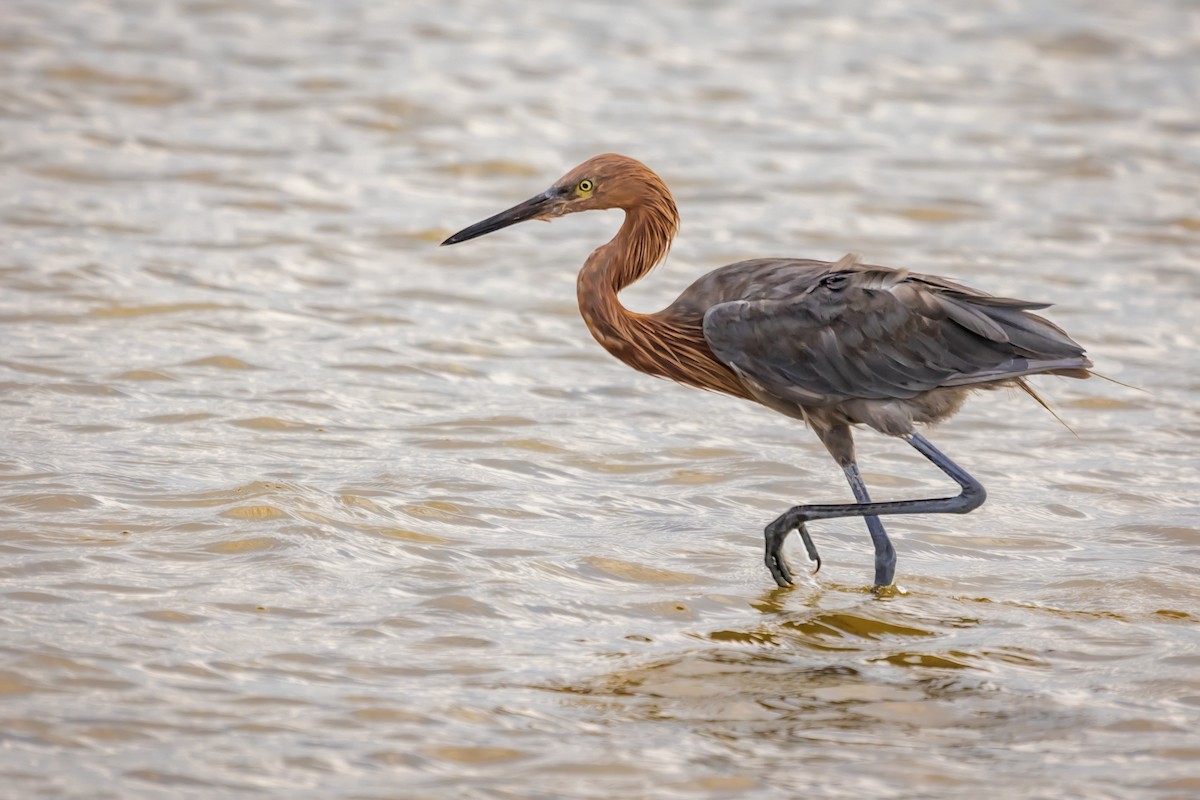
pixel 891 590
pixel 775 534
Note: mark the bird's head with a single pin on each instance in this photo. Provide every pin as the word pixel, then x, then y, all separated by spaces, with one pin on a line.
pixel 604 181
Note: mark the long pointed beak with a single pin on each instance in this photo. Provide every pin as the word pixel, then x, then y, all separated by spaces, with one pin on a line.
pixel 542 206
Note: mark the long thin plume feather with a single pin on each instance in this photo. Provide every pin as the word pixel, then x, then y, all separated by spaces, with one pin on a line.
pixel 1029 390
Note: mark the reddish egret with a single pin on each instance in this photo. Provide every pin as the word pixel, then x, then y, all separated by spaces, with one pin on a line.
pixel 833 344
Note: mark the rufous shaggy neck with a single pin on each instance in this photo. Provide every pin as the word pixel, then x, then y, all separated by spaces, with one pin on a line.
pixel 657 344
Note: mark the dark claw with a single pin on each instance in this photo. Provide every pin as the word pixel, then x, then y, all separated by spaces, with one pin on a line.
pixel 775 534
pixel 780 572
pixel 813 555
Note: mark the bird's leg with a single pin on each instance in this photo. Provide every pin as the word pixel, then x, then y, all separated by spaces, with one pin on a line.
pixel 885 554
pixel 970 498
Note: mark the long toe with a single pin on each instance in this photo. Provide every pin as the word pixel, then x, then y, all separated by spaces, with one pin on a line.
pixel 813 555
pixel 774 535
pixel 779 570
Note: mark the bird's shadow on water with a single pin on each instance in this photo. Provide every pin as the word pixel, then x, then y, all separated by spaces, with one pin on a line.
pixel 851 620
pixel 932 680
pixel 839 657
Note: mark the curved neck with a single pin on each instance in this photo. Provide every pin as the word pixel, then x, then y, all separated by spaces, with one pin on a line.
pixel 642 242
pixel 668 343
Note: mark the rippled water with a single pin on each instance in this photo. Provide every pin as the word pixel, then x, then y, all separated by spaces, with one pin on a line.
pixel 297 504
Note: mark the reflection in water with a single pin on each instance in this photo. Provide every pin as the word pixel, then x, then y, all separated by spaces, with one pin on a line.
pixel 295 503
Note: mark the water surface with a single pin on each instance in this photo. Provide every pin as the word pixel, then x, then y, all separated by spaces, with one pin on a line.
pixel 295 503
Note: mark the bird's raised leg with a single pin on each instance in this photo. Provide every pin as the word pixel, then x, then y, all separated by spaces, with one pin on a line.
pixel 970 498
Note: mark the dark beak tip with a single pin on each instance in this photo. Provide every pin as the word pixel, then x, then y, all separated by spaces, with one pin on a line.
pixel 533 208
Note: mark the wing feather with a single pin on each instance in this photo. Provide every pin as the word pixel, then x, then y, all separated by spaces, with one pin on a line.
pixel 858 332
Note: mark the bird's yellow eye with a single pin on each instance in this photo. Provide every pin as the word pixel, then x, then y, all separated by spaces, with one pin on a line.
pixel 585 187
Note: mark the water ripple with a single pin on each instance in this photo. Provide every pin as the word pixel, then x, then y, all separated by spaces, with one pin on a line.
pixel 296 503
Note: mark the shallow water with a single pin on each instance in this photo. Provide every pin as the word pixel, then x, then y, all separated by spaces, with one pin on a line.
pixel 295 503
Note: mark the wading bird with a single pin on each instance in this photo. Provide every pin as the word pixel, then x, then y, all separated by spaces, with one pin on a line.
pixel 833 344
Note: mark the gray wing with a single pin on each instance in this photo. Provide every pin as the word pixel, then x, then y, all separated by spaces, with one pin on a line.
pixel 874 333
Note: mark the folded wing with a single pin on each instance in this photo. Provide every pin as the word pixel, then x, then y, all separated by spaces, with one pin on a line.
pixel 855 332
